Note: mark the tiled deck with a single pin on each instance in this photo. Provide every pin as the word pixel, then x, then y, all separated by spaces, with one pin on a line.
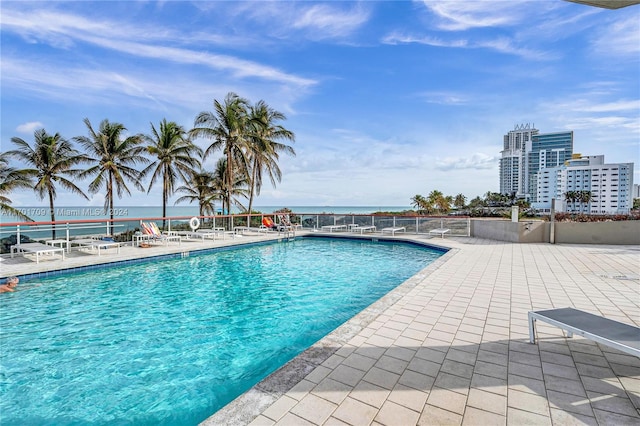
pixel 453 347
pixel 450 346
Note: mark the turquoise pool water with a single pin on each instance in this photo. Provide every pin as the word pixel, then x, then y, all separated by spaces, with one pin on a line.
pixel 172 341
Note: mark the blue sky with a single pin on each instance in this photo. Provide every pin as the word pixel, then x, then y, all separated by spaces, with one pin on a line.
pixel 387 99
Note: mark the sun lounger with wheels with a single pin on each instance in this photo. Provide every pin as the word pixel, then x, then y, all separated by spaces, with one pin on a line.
pixel 393 230
pixel 623 337
pixel 37 249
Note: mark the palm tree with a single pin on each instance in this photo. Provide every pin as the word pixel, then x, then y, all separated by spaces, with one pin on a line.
pixel 200 187
pixel 571 197
pixel 175 158
pixel 115 160
pixel 438 199
pixel 424 205
pixel 264 148
pixel 10 179
pixel 460 201
pixel 227 127
pixel 51 159
pixel 417 201
pixel 584 197
pixel 229 194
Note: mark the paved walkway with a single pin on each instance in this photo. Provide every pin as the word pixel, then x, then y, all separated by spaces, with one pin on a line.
pixel 450 346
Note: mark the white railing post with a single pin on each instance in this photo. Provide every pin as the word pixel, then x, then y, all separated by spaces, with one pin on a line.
pixel 417 224
pixel 18 234
pixel 68 243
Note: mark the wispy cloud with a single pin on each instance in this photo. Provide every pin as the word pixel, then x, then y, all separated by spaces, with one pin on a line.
pixel 444 98
pixel 329 21
pixel 399 38
pixel 29 127
pixel 64 30
pixel 620 38
pixel 478 161
pixel 463 15
pixel 503 45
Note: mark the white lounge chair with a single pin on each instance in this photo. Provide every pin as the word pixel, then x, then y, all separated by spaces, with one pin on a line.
pixel 96 245
pixel 392 230
pixel 332 228
pixel 363 229
pixel 36 248
pixel 439 231
pixel 151 233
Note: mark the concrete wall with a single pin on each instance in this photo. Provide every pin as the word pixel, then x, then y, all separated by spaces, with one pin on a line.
pixel 621 232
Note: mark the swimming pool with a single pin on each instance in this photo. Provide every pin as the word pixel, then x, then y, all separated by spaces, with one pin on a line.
pixel 172 341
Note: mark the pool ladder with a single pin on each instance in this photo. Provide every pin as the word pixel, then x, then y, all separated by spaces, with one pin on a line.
pixel 290 234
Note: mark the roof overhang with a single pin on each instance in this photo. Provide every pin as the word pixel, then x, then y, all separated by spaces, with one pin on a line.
pixel 607 4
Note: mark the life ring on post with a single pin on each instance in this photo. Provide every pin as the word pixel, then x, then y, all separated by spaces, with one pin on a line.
pixel 194 223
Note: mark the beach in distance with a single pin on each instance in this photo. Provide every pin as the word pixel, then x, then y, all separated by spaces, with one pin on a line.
pixel 42 214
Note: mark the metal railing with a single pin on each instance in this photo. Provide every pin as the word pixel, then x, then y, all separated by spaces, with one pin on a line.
pixel 122 229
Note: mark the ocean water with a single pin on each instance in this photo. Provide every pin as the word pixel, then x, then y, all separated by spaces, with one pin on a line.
pixel 42 214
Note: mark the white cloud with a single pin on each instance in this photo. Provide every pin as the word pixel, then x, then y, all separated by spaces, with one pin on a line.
pixel 620 38
pixel 398 38
pixel 64 30
pixel 327 21
pixel 477 161
pixel 502 45
pixel 463 15
pixel 29 127
pixel 444 98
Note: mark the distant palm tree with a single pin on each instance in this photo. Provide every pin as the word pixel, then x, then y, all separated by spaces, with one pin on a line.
pixel 200 187
pixel 441 202
pixel 227 126
pixel 584 197
pixel 417 201
pixel 115 160
pixel 10 179
pixel 175 158
pixel 571 197
pixel 51 159
pixel 264 147
pixel 460 201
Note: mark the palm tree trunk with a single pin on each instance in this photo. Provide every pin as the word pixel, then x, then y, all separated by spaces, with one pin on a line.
pixel 53 216
pixel 164 200
pixel 110 203
pixel 229 186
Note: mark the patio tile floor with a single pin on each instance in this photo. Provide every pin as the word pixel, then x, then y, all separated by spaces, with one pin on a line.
pixel 450 345
pixel 454 348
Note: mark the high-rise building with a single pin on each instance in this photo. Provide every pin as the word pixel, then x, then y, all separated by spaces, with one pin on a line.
pixel 608 186
pixel 525 152
pixel 512 163
pixel 547 150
